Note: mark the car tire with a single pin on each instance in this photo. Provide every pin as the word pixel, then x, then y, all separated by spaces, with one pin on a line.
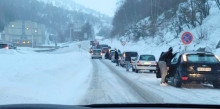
pixel 216 85
pixel 133 70
pixel 137 71
pixel 177 81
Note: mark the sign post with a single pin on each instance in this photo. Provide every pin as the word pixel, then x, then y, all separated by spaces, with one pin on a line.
pixel 187 38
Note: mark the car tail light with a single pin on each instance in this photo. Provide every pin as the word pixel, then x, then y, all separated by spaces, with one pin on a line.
pixel 124 55
pixel 100 53
pixel 92 53
pixel 6 47
pixel 217 58
pixel 155 63
pixel 138 63
pixel 184 58
pixel 184 78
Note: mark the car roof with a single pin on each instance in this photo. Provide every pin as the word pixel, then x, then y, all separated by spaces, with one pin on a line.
pixel 96 49
pixel 130 51
pixel 146 54
pixel 196 52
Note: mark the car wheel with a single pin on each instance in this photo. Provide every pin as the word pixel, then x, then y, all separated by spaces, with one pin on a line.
pixel 177 81
pixel 136 70
pixel 133 70
pixel 216 85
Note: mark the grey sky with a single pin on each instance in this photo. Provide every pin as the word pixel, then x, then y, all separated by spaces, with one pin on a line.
pixel 107 7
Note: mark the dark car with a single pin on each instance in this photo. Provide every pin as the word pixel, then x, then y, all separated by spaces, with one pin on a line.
pixel 197 67
pixel 92 43
pixel 4 46
pixel 104 49
pixel 132 54
pixel 112 52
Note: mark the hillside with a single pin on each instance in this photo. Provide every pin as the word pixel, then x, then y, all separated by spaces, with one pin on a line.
pixel 57 20
pixel 205 35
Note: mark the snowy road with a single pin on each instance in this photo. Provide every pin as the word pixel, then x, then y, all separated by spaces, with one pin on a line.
pixel 70 76
pixel 109 86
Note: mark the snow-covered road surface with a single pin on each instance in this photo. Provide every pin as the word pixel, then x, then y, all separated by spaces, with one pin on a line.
pixel 70 76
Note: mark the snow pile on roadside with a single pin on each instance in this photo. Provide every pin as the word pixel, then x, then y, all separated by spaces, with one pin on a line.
pixel 29 77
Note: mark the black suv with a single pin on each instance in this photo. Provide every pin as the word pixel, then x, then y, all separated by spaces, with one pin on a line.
pixel 132 54
pixel 198 67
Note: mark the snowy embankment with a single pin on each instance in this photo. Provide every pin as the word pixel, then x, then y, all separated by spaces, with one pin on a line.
pixel 210 28
pixel 51 78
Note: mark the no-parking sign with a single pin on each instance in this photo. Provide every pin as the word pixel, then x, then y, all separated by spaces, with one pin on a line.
pixel 123 43
pixel 187 38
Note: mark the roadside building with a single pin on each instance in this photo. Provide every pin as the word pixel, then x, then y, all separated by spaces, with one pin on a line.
pixel 24 32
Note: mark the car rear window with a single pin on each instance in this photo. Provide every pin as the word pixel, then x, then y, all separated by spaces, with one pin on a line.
pixel 132 54
pixel 147 58
pixel 3 45
pixel 96 51
pixel 202 58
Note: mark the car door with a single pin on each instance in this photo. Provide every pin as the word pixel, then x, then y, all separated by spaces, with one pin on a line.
pixel 174 65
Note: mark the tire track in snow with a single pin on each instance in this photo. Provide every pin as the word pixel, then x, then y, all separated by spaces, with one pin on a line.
pixel 95 93
pixel 146 95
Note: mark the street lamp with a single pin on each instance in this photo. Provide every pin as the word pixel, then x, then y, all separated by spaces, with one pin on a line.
pixel 35 31
pixel 12 26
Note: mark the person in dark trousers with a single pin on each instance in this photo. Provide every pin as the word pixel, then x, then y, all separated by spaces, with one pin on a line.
pixel 116 57
pixel 128 62
pixel 107 54
pixel 164 62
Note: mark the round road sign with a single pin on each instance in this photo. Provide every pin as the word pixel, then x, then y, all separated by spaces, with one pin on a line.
pixel 187 38
pixel 123 43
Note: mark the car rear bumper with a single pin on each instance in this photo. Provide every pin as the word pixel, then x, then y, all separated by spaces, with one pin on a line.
pixel 96 56
pixel 202 78
pixel 146 68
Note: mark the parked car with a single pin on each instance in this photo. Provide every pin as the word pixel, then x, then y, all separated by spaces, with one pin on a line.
pixel 104 49
pixel 7 46
pixel 133 55
pixel 146 63
pixel 103 46
pixel 113 57
pixel 92 43
pixel 112 52
pixel 96 53
pixel 197 67
pixel 4 46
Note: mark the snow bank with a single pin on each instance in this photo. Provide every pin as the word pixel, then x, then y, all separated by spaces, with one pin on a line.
pixel 53 78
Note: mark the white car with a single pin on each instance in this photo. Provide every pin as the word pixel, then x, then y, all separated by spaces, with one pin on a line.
pixel 145 63
pixel 96 53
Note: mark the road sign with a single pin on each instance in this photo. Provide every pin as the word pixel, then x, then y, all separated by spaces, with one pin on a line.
pixel 187 38
pixel 123 43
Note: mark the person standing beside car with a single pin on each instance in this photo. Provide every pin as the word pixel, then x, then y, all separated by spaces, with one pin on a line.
pixel 164 62
pixel 128 62
pixel 116 57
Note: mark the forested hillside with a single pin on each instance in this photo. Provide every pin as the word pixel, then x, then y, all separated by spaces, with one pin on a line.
pixel 153 16
pixel 56 19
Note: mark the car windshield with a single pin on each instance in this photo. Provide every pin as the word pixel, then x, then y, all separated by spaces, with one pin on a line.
pixel 147 58
pixel 202 58
pixel 62 52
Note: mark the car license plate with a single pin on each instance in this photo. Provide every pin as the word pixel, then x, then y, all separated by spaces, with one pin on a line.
pixel 204 69
pixel 147 63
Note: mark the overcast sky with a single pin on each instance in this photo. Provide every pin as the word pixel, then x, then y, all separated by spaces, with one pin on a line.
pixel 107 7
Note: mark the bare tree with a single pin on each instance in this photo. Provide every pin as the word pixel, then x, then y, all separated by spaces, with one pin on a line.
pixel 218 3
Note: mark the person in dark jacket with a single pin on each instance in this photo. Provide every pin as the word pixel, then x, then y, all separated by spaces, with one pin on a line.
pixel 116 57
pixel 128 62
pixel 164 63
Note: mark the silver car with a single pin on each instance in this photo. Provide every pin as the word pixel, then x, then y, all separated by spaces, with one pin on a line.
pixel 145 63
pixel 96 53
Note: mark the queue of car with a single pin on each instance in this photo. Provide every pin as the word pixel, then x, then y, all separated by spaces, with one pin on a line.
pixel 186 67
